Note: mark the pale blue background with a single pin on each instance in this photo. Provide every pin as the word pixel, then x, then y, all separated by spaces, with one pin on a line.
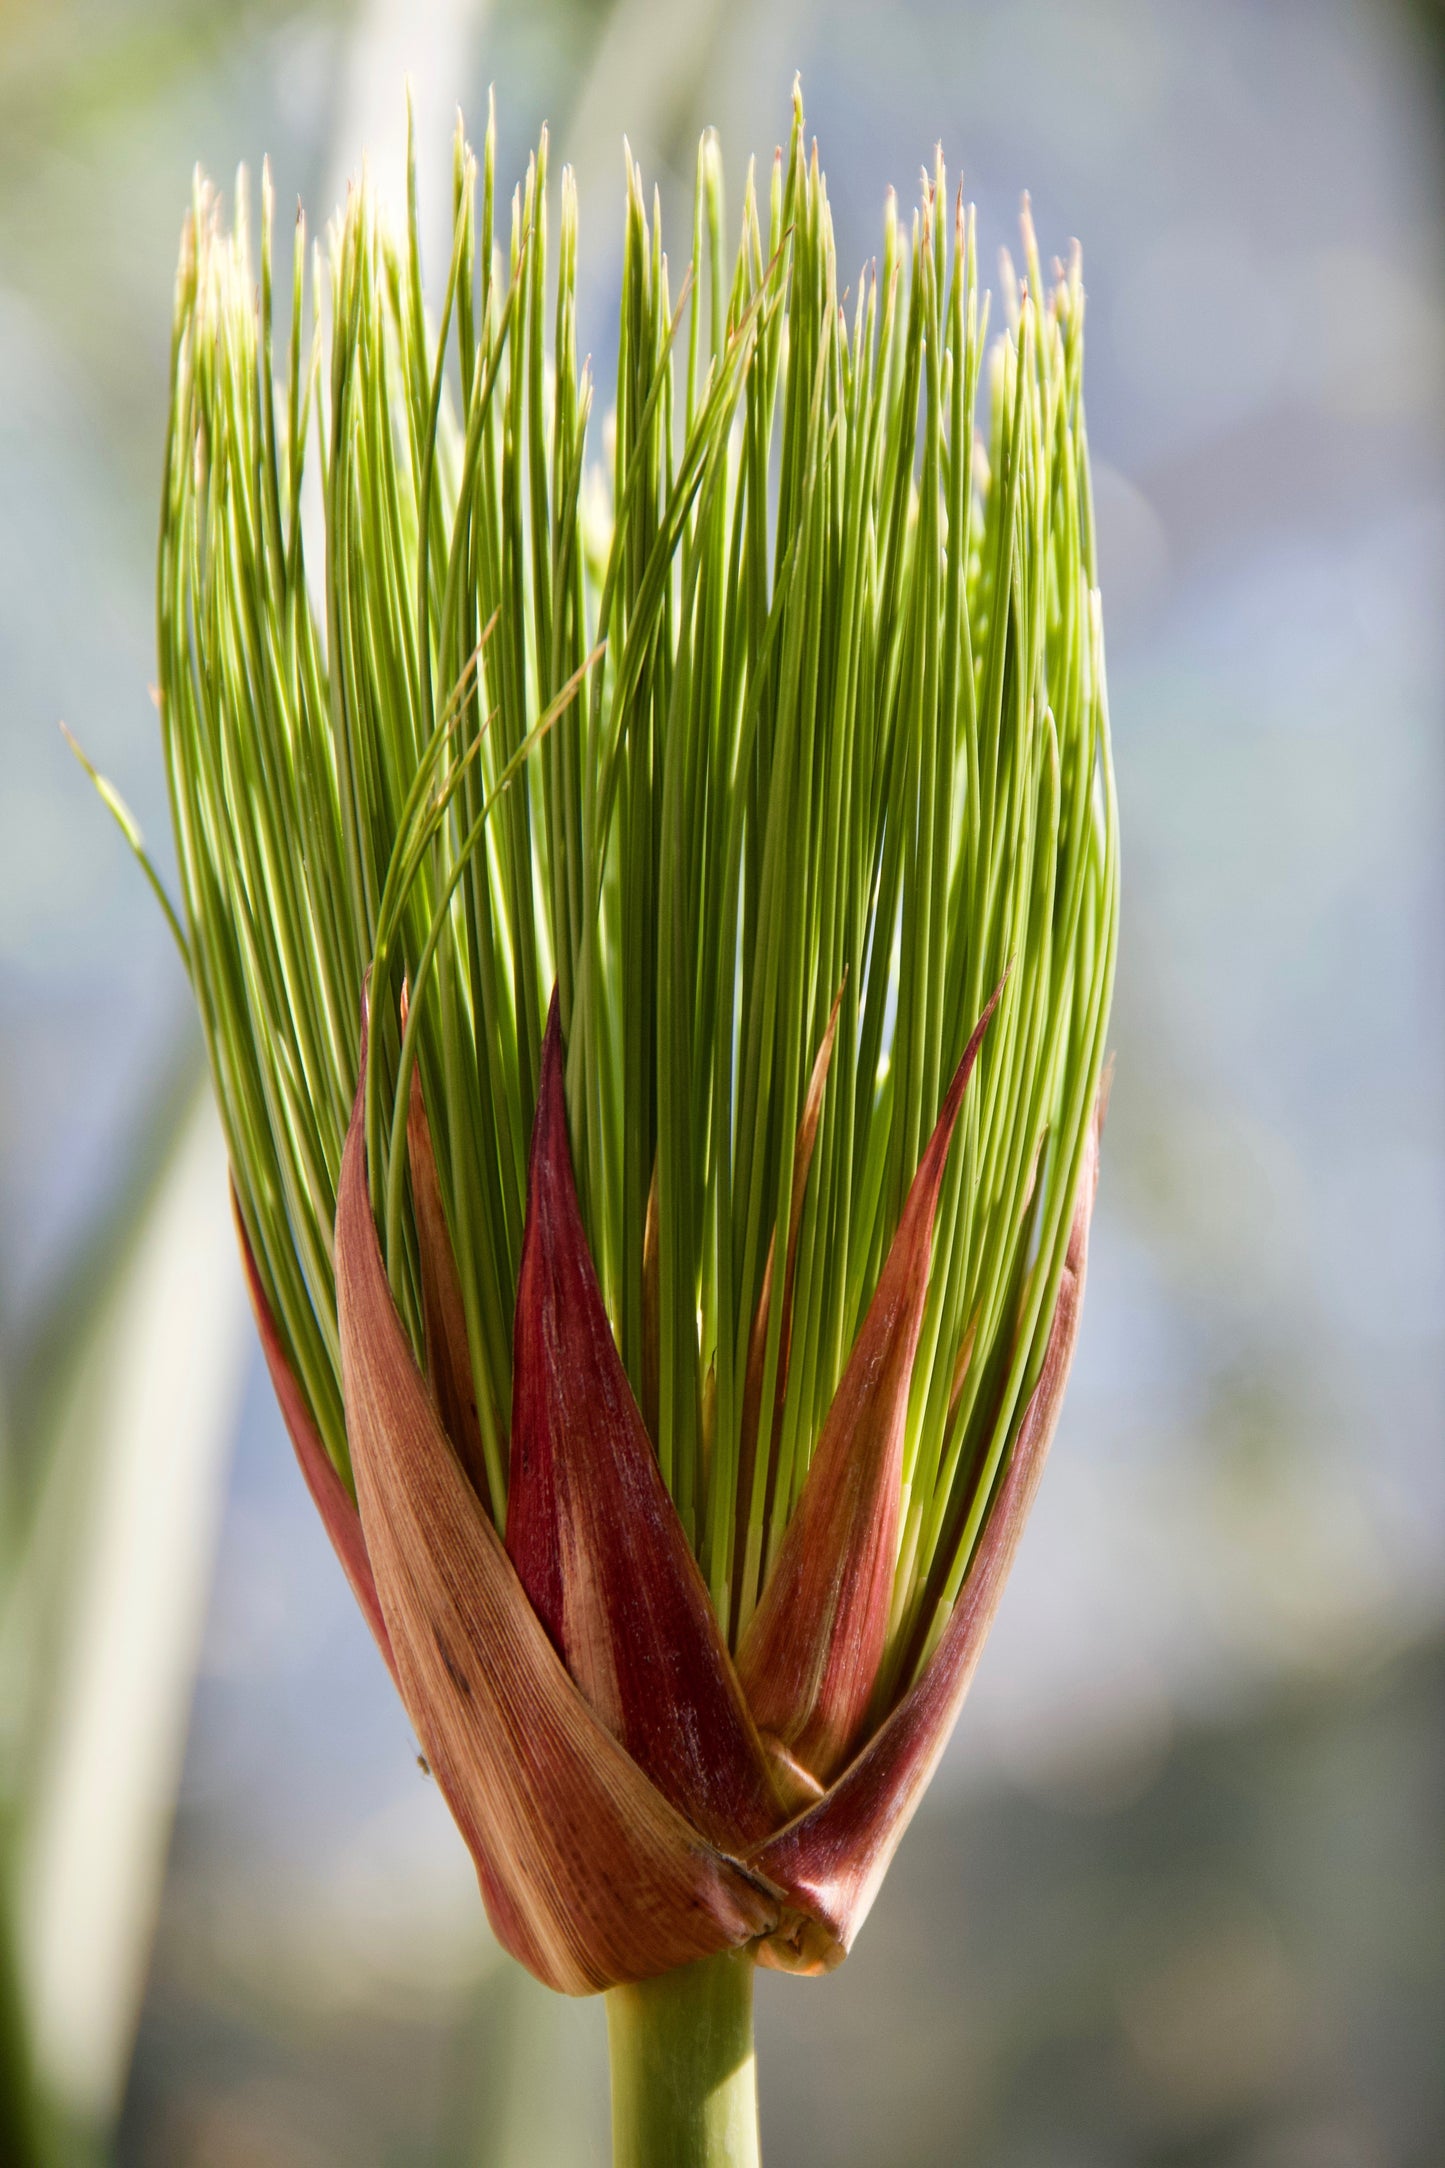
pixel 1172 1901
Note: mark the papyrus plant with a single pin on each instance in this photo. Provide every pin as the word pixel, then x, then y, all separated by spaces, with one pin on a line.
pixel 652 918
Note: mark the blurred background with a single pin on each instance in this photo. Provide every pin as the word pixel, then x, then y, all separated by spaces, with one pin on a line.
pixel 1178 1894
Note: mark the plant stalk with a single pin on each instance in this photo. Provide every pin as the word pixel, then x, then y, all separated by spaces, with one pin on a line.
pixel 684 2083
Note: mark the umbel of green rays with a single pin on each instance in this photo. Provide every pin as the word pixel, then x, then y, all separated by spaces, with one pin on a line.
pixel 764 730
pixel 782 690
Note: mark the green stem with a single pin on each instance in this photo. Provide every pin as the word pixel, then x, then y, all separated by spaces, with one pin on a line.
pixel 684 2085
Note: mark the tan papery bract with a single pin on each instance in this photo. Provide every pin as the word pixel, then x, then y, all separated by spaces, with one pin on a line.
pixel 329 1494
pixel 811 1651
pixel 590 1876
pixel 444 1315
pixel 832 1858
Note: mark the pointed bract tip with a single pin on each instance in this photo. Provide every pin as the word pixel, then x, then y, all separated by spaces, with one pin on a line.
pixel 832 1858
pixel 809 1657
pixel 593 1532
pixel 590 1876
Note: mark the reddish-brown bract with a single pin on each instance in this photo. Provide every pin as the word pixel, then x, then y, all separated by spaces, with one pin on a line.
pixel 833 1858
pixel 590 1875
pixel 811 1652
pixel 624 1788
pixel 595 1536
pixel 444 1316
pixel 329 1495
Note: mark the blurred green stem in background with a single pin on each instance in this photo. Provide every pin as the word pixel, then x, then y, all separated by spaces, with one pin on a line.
pixel 26 2133
pixel 684 2082
pixel 110 1481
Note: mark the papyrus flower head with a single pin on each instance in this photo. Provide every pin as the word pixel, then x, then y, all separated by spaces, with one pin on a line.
pixel 653 932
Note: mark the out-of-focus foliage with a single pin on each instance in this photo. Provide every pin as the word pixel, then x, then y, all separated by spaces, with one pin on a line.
pixel 112 1456
pixel 1252 1439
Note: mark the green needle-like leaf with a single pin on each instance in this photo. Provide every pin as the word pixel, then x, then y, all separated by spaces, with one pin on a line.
pixel 768 718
